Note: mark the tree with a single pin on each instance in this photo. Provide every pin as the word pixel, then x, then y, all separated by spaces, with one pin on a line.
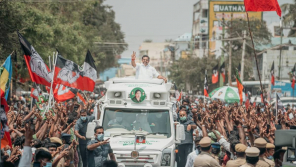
pixel 72 28
pixel 148 41
pixel 192 71
pixel 261 36
pixel 289 19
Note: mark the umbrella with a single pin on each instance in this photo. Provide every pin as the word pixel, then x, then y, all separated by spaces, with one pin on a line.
pixel 226 93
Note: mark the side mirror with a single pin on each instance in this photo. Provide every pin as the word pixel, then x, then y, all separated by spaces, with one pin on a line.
pixel 180 133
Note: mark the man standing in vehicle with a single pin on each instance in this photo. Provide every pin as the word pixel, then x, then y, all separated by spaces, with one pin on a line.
pixel 144 70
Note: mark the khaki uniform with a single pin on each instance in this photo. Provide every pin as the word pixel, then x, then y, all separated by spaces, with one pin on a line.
pixel 270 162
pixel 236 163
pixel 247 165
pixel 262 163
pixel 205 159
pixel 215 157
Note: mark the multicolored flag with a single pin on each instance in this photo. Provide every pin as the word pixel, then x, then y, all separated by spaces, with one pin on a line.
pixel 222 71
pixel 89 72
pixel 5 78
pixel 279 104
pixel 81 98
pixel 272 73
pixel 247 102
pixel 240 87
pixel 62 93
pixel 38 70
pixel 215 74
pixel 177 93
pixel 262 5
pixel 293 76
pixel 67 73
pixel 206 88
pixel 36 92
pixel 5 135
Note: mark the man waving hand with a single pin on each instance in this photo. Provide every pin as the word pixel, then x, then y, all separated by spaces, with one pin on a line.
pixel 144 70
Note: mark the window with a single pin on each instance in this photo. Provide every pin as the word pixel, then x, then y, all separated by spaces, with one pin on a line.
pixel 129 120
pixel 205 13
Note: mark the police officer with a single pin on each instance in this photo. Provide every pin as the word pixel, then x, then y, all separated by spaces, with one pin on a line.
pixel 241 156
pixel 260 143
pixel 269 154
pixel 204 159
pixel 252 157
pixel 215 151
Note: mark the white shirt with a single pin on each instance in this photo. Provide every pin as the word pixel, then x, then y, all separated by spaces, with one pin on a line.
pixel 26 157
pixel 145 72
pixel 190 158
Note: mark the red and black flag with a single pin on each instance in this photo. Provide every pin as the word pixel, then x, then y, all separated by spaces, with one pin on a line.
pixel 293 76
pixel 38 70
pixel 247 102
pixel 140 139
pixel 89 72
pixel 62 93
pixel 272 73
pixel 239 68
pixel 67 73
pixel 222 71
pixel 206 88
pixel 80 97
pixel 215 74
pixel 36 92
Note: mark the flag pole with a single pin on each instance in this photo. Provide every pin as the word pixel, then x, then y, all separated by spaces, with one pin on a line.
pixel 52 82
pixel 255 54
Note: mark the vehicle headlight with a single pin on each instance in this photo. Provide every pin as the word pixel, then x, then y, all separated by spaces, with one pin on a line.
pixel 166 159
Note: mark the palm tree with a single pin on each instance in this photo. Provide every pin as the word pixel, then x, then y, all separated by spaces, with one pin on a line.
pixel 289 19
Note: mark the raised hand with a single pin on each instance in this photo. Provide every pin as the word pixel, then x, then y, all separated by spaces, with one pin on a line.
pixel 134 55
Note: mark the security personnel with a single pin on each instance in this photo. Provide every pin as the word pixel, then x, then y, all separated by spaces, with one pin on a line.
pixel 204 159
pixel 241 156
pixel 269 154
pixel 252 157
pixel 215 151
pixel 68 159
pixel 260 143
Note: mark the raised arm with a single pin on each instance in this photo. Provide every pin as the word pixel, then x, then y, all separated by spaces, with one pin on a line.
pixel 134 59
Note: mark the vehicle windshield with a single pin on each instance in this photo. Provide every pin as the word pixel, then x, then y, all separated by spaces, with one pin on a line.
pixel 127 121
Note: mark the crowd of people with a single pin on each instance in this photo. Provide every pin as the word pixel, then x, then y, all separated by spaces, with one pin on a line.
pixel 55 138
pixel 216 134
pixel 231 135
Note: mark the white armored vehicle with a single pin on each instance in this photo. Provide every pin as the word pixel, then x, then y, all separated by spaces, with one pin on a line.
pixel 137 116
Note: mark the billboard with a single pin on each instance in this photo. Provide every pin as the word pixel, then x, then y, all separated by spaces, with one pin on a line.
pixel 229 10
pixel 283 89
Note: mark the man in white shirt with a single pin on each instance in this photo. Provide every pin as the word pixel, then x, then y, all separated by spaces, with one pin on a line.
pixel 144 70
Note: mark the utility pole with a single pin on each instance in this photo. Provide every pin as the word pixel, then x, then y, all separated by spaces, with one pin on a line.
pixel 230 54
pixel 280 64
pixel 222 53
pixel 243 57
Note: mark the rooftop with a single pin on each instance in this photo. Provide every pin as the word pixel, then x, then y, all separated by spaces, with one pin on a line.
pixel 185 37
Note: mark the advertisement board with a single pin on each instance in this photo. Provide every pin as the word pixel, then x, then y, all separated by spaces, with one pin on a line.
pixel 283 89
pixel 229 10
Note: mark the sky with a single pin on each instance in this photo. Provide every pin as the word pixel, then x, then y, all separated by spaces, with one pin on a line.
pixel 159 19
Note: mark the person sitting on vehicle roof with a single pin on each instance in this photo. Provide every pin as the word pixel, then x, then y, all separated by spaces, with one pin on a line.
pixel 144 70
